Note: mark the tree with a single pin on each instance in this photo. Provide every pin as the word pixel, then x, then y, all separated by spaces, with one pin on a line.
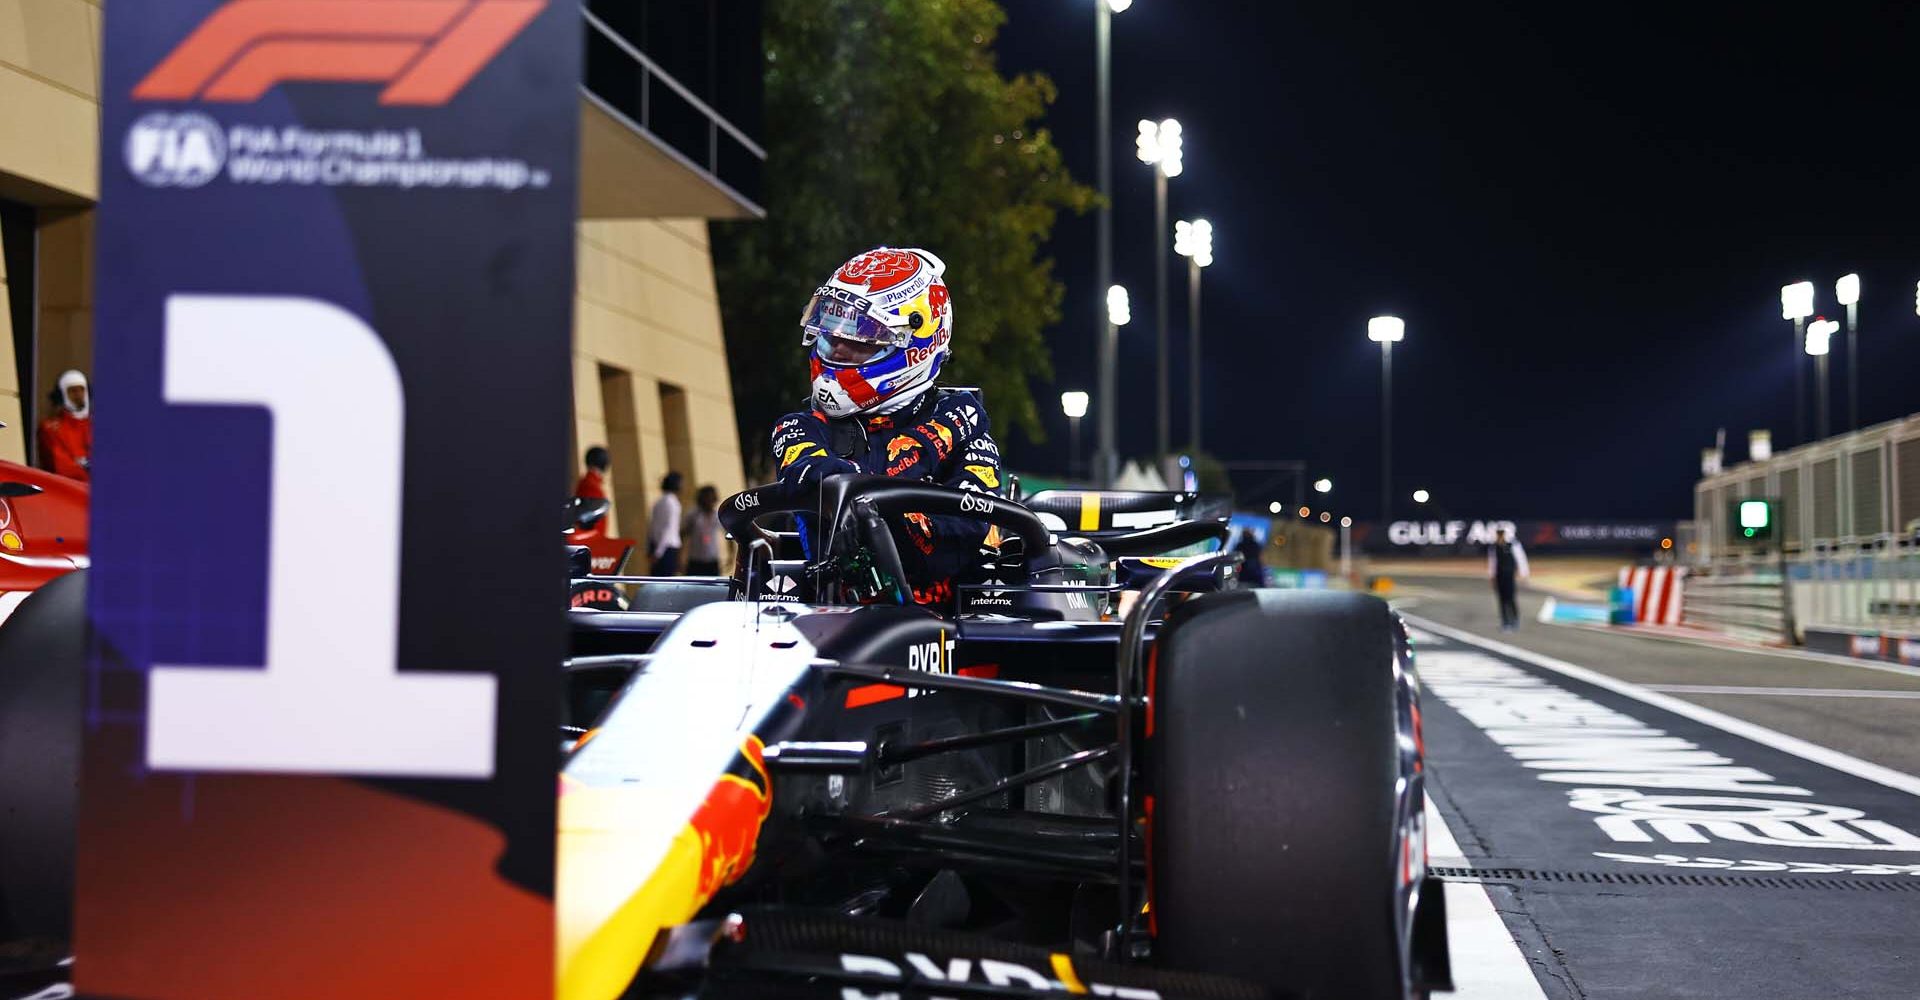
pixel 888 123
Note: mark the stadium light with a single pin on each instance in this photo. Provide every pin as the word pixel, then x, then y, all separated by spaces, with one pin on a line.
pixel 1119 6
pixel 1159 144
pixel 1073 403
pixel 1274 507
pixel 1796 304
pixel 1819 340
pixel 1847 290
pixel 1421 496
pixel 1119 311
pixel 1819 336
pixel 1386 329
pixel 1323 486
pixel 1194 241
pixel 1796 300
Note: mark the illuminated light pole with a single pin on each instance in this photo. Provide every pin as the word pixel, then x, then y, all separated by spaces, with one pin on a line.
pixel 1119 306
pixel 1107 458
pixel 1346 548
pixel 1159 144
pixel 1274 507
pixel 1847 290
pixel 1421 496
pixel 1386 331
pixel 1194 241
pixel 1796 303
pixel 1323 486
pixel 1074 405
pixel 1107 463
pixel 1819 338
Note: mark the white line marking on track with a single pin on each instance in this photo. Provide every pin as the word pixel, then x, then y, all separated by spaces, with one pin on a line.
pixel 1487 963
pixel 1897 780
pixel 1736 646
pixel 1781 692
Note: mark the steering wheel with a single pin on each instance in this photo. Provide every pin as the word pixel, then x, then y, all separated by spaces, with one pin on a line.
pixel 857 503
pixel 851 512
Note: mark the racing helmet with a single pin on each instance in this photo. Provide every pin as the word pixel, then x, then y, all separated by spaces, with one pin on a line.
pixel 879 329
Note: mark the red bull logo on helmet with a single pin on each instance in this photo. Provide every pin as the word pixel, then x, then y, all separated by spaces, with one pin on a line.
pixel 880 269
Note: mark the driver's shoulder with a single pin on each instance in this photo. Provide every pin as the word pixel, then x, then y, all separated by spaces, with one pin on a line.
pixel 798 419
pixel 964 410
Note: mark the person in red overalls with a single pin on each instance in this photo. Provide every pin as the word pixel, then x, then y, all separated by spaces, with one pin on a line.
pixel 593 485
pixel 66 438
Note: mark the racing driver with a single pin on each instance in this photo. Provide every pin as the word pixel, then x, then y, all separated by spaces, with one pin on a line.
pixel 879 331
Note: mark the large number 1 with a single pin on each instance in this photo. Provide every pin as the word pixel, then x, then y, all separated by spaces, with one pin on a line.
pixel 331 699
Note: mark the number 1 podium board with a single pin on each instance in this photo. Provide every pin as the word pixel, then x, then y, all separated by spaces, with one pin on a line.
pixel 333 303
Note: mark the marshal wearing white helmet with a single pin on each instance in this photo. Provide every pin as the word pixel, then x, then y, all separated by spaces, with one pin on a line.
pixel 880 329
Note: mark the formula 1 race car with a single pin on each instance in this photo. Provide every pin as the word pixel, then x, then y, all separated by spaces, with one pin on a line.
pixel 796 782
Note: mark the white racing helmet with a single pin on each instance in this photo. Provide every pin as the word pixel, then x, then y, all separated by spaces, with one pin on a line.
pixel 880 330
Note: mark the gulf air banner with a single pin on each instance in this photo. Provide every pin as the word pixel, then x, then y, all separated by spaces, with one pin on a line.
pixel 332 322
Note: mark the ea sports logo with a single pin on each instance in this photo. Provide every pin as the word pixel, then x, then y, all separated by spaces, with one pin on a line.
pixel 175 149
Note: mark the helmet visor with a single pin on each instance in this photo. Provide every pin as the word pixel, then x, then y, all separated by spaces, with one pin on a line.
pixel 836 314
pixel 844 351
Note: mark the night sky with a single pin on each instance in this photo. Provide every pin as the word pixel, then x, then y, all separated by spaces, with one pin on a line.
pixel 1584 214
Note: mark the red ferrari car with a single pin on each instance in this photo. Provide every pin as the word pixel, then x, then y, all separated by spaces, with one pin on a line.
pixel 43 530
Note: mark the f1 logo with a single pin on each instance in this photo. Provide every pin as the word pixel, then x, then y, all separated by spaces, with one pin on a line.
pixel 424 50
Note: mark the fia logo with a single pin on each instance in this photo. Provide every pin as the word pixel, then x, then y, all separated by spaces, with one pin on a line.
pixel 168 149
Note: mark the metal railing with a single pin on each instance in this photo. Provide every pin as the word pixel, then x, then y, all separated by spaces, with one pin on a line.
pixel 1870 587
pixel 1741 597
pixel 661 107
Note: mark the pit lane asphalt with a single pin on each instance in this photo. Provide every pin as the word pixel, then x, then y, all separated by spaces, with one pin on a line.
pixel 1883 730
pixel 1801 882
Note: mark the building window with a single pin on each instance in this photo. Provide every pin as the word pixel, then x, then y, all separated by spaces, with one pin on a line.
pixel 679 431
pixel 19 240
pixel 629 474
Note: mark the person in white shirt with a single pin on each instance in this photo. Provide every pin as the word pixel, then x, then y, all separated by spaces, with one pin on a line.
pixel 1506 566
pixel 663 528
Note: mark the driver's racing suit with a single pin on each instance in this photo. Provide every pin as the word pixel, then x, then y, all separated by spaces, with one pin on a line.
pixel 940 438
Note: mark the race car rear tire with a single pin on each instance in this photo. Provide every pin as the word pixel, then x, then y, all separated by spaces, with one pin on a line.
pixel 1271 764
pixel 43 650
